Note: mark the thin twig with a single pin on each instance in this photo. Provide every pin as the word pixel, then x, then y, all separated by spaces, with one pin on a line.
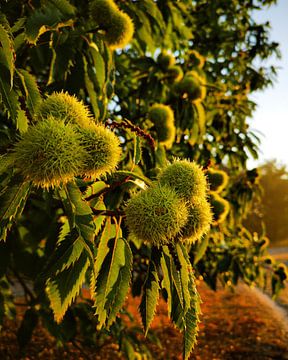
pixel 126 124
pixel 111 213
pixel 25 287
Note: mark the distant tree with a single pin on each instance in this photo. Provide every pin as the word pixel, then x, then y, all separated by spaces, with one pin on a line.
pixel 271 208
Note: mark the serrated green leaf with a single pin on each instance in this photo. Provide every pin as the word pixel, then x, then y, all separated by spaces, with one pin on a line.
pixel 68 251
pixel 63 288
pixel 191 329
pixel 150 296
pixel 75 251
pixel 80 216
pixel 12 202
pixel 18 25
pixel 49 17
pixel 192 315
pixel 109 232
pixel 113 272
pixel 185 269
pixel 120 289
pixel 184 315
pixel 9 96
pixel 98 219
pixel 74 195
pixel 22 121
pixel 31 90
pixel 64 231
pixel 167 281
pixel 7 52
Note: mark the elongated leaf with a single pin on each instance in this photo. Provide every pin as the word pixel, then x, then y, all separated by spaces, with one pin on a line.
pixel 185 270
pixel 167 282
pixel 113 273
pixel 95 188
pixel 67 252
pixel 137 149
pixel 99 65
pixel 82 217
pixel 120 289
pixel 201 118
pixel 150 296
pixel 9 96
pixel 134 176
pixel 64 287
pixel 191 328
pixel 19 24
pixel 75 251
pixel 22 121
pixel 31 90
pixel 52 16
pixel 201 249
pixel 27 327
pixel 91 90
pixel 108 233
pixel 192 315
pixel 12 202
pixel 64 50
pixel 65 230
pixel 64 7
pixel 98 219
pixel 7 52
pixel 185 305
pixel 6 161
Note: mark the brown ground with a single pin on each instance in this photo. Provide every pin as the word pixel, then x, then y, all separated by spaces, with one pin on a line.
pixel 240 325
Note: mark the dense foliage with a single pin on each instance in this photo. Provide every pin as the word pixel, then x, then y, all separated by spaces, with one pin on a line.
pixel 168 80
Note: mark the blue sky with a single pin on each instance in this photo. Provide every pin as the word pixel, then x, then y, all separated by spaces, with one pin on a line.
pixel 271 116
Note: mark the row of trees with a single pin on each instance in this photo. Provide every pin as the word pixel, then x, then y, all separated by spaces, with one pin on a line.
pixel 165 79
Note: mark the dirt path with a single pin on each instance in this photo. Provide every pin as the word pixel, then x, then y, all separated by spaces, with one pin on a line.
pixel 240 325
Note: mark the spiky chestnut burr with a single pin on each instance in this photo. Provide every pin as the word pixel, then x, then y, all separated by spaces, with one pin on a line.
pixel 49 153
pixel 102 148
pixel 65 107
pixel 162 117
pixel 116 24
pixel 156 215
pixel 199 221
pixel 186 178
pixel 165 60
pixel 191 86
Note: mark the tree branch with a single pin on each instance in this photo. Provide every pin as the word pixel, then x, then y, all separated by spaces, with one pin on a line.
pixel 111 213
